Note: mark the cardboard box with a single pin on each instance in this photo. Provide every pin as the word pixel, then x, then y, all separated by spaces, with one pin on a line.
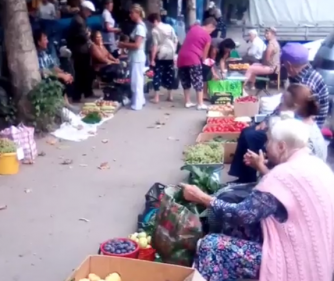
pixel 133 270
pixel 229 147
pixel 249 109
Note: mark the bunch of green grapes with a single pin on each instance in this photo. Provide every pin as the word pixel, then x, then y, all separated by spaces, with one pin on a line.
pixel 204 153
pixel 7 146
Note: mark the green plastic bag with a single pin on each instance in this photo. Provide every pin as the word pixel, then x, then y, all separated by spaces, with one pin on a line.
pixel 225 86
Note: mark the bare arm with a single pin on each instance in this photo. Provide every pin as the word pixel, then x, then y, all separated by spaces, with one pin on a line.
pixel 206 51
pixel 132 45
pixel 109 28
pixel 268 53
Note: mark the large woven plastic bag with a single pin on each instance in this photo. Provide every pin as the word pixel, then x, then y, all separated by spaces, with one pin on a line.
pixel 177 231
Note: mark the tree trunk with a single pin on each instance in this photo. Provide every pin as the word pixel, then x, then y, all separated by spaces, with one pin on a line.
pixel 20 50
pixel 191 12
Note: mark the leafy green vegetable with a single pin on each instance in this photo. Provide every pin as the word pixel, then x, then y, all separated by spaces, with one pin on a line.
pixel 204 153
pixel 221 139
pixel 92 118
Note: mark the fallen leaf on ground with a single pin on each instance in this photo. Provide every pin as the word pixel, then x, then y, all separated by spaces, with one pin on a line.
pixel 105 141
pixel 104 166
pixel 83 165
pixel 42 153
pixel 84 219
pixel 67 162
pixel 3 207
pixel 167 114
pixel 160 123
pixel 51 141
pixel 173 139
pixel 27 190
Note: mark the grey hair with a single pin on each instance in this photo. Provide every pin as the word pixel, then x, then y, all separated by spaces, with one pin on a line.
pixel 253 31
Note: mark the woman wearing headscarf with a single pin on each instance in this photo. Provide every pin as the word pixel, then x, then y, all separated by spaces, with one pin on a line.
pixel 294 203
pixel 137 56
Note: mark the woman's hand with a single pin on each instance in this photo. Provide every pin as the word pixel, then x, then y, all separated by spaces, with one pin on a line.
pixel 256 161
pixel 193 193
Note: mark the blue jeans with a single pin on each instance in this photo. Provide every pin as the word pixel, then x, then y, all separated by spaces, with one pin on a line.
pixel 251 139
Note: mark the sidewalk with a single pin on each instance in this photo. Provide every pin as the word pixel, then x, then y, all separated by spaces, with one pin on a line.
pixel 42 236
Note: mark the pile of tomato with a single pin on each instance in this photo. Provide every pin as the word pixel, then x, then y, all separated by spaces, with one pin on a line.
pixel 149 73
pixel 247 99
pixel 224 125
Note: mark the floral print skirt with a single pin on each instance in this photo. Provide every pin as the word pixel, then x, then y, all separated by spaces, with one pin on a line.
pixel 225 258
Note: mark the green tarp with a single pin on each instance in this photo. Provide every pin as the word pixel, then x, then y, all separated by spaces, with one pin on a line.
pixel 225 86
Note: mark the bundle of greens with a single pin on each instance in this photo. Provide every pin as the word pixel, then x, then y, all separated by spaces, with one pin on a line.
pixel 202 177
pixel 204 153
pixel 92 118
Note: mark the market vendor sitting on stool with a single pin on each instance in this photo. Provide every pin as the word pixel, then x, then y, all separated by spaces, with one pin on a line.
pixel 295 59
pixel 270 60
pixel 48 66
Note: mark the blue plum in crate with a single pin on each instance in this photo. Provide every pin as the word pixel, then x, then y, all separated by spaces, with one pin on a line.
pixel 119 247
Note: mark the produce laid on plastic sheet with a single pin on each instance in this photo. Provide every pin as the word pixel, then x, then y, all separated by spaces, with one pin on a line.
pixel 223 125
pixel 93 112
pixel 176 234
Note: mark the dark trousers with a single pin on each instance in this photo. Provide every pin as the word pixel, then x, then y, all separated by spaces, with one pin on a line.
pixel 83 78
pixel 249 139
pixel 69 89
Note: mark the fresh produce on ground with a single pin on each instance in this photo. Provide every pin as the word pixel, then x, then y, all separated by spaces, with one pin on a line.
pixel 244 119
pixel 92 118
pixel 214 114
pixel 204 153
pixel 111 277
pixel 228 107
pixel 7 146
pixel 119 246
pixel 89 107
pixel 239 66
pixel 224 120
pixel 101 103
pixel 221 139
pixel 247 99
pixel 224 125
pixel 143 240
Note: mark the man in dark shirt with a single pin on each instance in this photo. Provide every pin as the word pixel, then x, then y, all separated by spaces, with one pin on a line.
pixel 48 65
pixel 295 59
pixel 79 43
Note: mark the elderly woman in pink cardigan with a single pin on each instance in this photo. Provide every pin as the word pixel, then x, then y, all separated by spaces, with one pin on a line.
pixel 294 203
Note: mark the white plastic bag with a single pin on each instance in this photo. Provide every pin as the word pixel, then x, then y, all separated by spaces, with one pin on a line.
pixel 269 103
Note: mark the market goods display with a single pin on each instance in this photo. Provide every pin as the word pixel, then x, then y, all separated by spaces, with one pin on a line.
pixel 247 99
pixel 239 66
pixel 93 117
pixel 7 146
pixel 104 108
pixel 122 81
pixel 142 239
pixel 223 125
pixel 119 247
pixel 94 277
pixel 203 153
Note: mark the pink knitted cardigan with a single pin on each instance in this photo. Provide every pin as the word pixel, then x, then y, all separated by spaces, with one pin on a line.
pixel 302 248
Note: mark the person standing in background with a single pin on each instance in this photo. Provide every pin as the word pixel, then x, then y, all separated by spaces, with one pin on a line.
pixel 163 53
pixel 193 52
pixel 47 10
pixel 137 56
pixel 109 34
pixel 79 43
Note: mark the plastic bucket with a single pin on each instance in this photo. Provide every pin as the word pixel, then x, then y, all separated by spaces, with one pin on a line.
pixel 147 254
pixel 132 255
pixel 9 164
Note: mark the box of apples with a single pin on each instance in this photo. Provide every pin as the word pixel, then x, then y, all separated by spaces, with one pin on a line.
pixel 246 106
